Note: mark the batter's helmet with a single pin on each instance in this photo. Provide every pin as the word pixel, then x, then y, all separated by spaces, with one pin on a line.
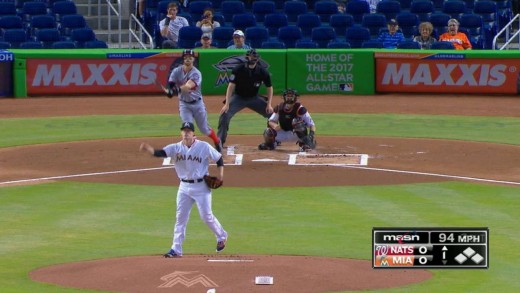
pixel 188 52
pixel 290 96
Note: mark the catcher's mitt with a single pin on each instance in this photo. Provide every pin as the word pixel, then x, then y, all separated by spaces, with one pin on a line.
pixel 213 182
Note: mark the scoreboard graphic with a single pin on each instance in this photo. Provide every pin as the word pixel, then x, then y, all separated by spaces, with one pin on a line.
pixel 435 248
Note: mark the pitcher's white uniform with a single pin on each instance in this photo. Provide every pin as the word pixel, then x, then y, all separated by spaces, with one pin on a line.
pixel 191 164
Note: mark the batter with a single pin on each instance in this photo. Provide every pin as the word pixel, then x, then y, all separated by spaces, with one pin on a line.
pixel 191 157
pixel 188 80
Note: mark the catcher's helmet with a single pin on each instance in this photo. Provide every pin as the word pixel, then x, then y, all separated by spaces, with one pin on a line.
pixel 290 96
pixel 252 53
pixel 188 52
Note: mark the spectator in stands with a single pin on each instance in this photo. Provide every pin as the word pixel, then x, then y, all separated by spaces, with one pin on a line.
pixel 425 38
pixel 239 41
pixel 205 40
pixel 392 37
pixel 140 8
pixel 171 25
pixel 458 39
pixel 207 24
pixel 341 7
pixel 373 5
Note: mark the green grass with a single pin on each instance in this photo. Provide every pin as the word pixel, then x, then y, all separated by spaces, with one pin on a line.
pixel 46 130
pixel 68 221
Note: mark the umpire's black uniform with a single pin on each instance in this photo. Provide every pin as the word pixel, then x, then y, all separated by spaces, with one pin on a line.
pixel 247 82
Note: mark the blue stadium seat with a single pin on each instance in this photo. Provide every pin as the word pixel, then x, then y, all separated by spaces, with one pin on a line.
pixel 438 4
pixel 95 44
pixel 15 36
pixel 7 8
pixel 408 23
pixel 273 45
pixel 61 8
pixel 82 35
pixel 274 21
pixel 338 45
pixel 241 21
pixel 289 35
pixel 323 35
pixel 306 44
pixel 31 45
pixel 357 8
pixel 263 7
pixel 442 46
pixel 325 8
pixel 47 36
pixel 374 44
pixel 390 8
pixel 196 8
pixel 222 35
pixel 294 8
pixel 455 8
pixel 40 22
pixel 64 45
pixel 256 36
pixel 488 11
pixel 306 22
pixel 374 22
pixel 356 35
pixel 474 28
pixel 440 22
pixel 230 8
pixel 340 22
pixel 423 9
pixel 405 5
pixel 408 44
pixel 70 22
pixel 31 9
pixel 5 45
pixel 188 36
pixel 10 21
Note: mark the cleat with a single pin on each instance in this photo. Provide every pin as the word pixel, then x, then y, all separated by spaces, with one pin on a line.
pixel 221 245
pixel 171 254
pixel 264 146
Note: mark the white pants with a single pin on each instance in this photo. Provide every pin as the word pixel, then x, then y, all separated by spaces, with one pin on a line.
pixel 200 194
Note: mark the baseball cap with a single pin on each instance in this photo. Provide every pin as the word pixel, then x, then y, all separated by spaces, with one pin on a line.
pixel 392 22
pixel 206 36
pixel 238 33
pixel 188 125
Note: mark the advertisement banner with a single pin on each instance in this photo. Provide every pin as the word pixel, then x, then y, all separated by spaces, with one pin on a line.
pixel 120 73
pixel 445 73
pixel 331 71
pixel 216 66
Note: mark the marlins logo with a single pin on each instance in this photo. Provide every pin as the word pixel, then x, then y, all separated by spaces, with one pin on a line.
pixel 226 65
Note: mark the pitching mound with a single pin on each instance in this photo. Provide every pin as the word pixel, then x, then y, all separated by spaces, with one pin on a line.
pixel 226 273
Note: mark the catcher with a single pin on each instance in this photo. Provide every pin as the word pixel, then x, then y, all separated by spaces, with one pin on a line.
pixel 290 121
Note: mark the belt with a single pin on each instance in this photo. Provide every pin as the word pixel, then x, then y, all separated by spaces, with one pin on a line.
pixel 192 102
pixel 192 181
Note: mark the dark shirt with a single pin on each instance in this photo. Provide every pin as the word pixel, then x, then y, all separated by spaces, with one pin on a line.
pixel 285 118
pixel 248 81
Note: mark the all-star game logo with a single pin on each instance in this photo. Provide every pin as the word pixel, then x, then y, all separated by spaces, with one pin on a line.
pixel 225 66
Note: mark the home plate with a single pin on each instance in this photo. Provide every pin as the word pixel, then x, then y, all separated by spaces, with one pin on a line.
pixel 307 159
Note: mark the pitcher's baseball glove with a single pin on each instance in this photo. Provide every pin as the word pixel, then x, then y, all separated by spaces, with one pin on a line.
pixel 213 182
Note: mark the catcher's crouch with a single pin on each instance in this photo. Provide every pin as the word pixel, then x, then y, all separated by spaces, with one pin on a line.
pixel 290 121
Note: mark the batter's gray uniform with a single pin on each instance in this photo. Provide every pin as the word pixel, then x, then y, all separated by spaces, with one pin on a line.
pixel 191 164
pixel 191 104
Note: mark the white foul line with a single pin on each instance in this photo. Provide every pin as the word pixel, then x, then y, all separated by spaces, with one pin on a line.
pixel 79 175
pixel 230 260
pixel 432 174
pixel 344 166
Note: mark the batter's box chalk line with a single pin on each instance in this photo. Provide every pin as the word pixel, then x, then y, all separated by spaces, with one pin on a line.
pixel 307 159
pixel 236 161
